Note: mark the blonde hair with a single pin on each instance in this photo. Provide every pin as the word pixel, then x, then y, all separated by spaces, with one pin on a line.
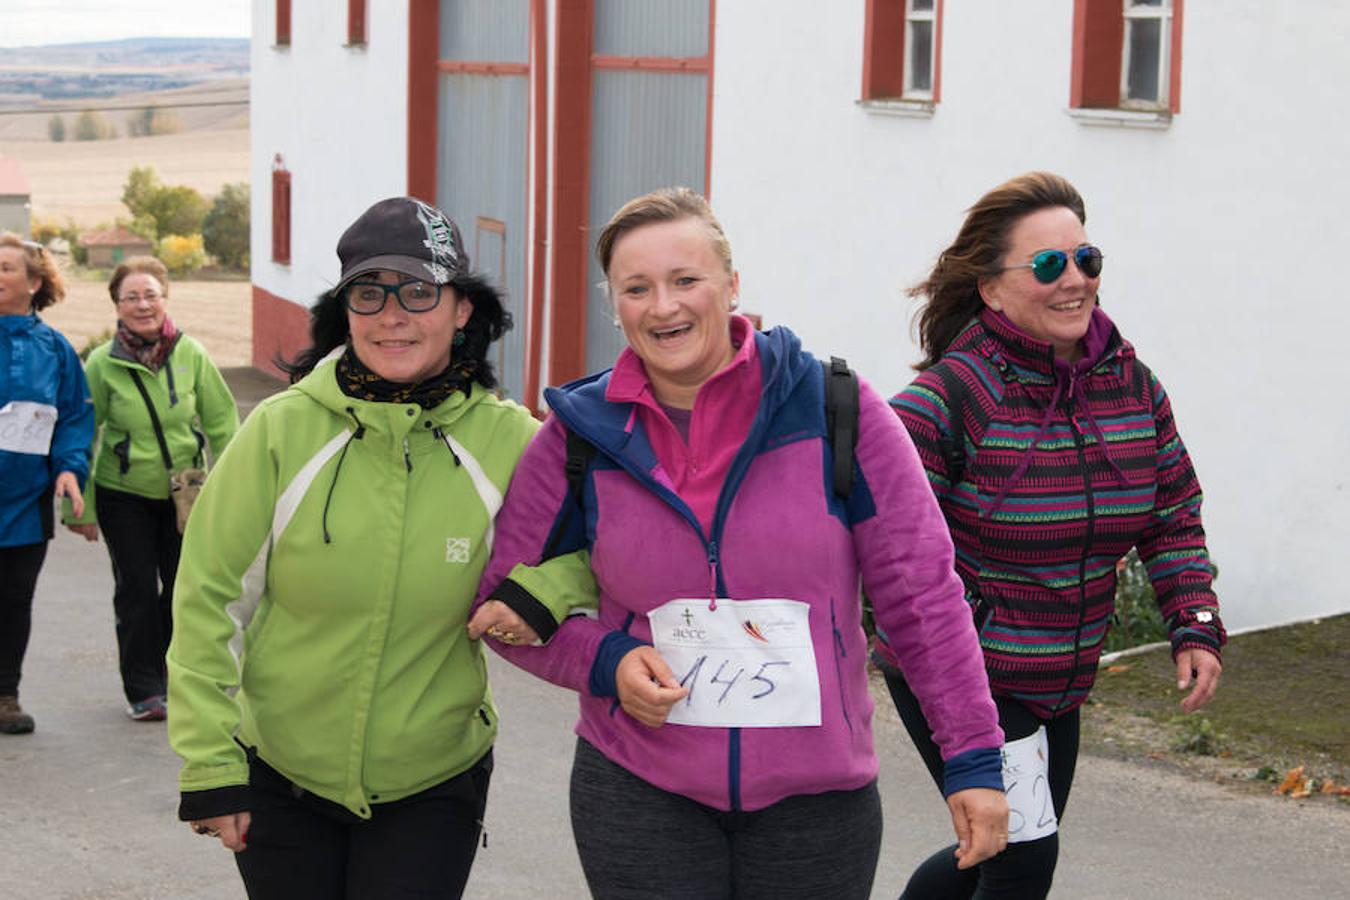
pixel 38 263
pixel 665 205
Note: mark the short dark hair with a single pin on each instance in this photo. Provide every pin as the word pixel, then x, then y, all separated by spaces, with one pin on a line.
pixel 138 265
pixel 490 320
pixel 952 287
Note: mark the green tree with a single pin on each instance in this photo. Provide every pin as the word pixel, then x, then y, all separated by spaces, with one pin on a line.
pixel 139 192
pixel 162 209
pixel 56 128
pixel 152 120
pixel 92 125
pixel 179 210
pixel 225 230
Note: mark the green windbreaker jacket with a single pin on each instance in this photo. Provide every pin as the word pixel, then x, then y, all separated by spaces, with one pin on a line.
pixel 327 573
pixel 195 409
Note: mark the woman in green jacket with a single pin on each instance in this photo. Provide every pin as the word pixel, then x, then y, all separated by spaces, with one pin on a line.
pixel 159 404
pixel 332 714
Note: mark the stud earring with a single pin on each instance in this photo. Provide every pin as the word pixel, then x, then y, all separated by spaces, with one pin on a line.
pixel 458 340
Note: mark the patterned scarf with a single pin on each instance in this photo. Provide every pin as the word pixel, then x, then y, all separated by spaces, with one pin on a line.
pixel 357 380
pixel 150 353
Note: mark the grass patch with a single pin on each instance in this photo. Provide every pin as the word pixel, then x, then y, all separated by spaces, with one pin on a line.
pixel 1283 701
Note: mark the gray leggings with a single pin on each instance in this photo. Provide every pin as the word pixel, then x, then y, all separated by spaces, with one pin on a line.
pixel 638 841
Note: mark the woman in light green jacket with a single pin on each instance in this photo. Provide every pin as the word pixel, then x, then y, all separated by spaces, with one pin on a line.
pixel 332 714
pixel 159 405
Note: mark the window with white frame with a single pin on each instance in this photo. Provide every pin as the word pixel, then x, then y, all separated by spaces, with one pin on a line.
pixel 901 62
pixel 920 19
pixel 1146 54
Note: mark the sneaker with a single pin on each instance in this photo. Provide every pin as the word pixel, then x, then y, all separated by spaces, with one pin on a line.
pixel 151 709
pixel 13 720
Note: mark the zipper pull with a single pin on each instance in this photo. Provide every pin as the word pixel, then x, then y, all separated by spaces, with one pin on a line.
pixel 407 455
pixel 712 576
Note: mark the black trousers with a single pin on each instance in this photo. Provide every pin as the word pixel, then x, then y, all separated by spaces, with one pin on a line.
pixel 19 568
pixel 144 543
pixel 304 846
pixel 1024 871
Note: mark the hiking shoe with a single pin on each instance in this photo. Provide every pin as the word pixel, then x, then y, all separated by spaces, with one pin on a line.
pixel 13 720
pixel 151 709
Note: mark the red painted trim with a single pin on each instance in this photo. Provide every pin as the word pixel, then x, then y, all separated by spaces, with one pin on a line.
pixel 937 50
pixel 883 49
pixel 708 103
pixel 571 167
pixel 653 63
pixel 424 20
pixel 538 253
pixel 281 216
pixel 1174 66
pixel 280 328
pixel 283 23
pixel 465 67
pixel 356 22
pixel 1098 41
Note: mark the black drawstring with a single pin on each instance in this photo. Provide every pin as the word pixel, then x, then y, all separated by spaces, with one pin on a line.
pixel 358 435
pixel 440 436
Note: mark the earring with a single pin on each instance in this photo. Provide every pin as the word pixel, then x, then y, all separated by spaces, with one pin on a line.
pixel 458 340
pixel 618 326
pixel 735 303
pixel 996 306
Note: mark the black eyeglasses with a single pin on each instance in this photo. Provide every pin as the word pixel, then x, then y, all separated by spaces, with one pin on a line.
pixel 366 298
pixel 1048 265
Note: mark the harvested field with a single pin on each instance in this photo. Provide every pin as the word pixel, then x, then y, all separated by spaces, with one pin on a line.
pixel 82 180
pixel 217 313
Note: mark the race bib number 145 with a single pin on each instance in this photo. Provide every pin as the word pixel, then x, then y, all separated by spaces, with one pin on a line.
pixel 747 663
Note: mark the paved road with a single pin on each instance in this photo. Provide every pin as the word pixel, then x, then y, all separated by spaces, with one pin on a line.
pixel 87 802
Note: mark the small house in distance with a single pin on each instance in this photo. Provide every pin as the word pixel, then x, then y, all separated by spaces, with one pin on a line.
pixel 109 246
pixel 15 197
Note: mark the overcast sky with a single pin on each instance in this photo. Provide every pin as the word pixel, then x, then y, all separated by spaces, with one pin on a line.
pixel 30 22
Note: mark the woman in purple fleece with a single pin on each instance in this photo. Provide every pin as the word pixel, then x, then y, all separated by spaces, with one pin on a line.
pixel 724 741
pixel 1052 451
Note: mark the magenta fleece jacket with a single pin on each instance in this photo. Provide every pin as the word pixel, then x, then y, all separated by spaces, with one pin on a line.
pixel 778 530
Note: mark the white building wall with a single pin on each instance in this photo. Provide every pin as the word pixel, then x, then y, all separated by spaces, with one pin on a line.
pixel 1222 232
pixel 338 115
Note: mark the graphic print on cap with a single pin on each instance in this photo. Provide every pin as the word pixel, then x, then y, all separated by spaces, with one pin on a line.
pixel 440 241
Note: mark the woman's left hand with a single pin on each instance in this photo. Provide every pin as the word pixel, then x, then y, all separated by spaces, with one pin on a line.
pixel 67 485
pixel 498 621
pixel 1206 668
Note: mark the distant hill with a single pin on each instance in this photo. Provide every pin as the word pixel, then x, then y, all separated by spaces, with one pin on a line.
pixel 105 69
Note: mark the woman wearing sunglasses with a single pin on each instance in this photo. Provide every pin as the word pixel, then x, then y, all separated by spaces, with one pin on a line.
pixel 1052 451
pixel 345 529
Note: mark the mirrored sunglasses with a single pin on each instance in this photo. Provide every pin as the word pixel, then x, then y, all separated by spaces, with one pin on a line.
pixel 1048 265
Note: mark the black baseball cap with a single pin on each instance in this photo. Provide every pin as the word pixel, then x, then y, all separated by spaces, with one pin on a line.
pixel 404 235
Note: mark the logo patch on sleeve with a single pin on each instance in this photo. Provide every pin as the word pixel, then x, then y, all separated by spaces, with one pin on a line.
pixel 457 550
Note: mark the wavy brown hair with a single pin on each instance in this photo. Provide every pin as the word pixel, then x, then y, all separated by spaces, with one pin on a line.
pixel 951 290
pixel 39 264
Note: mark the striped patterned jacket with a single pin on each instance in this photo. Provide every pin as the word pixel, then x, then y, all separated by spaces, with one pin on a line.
pixel 1065 469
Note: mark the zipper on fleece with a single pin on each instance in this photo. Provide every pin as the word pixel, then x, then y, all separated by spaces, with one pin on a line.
pixel 840 654
pixel 1088 535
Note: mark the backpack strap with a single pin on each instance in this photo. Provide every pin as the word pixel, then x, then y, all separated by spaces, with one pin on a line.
pixel 841 421
pixel 580 452
pixel 953 446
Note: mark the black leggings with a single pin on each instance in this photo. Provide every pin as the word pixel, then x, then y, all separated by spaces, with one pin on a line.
pixel 1023 871
pixel 421 846
pixel 143 543
pixel 19 568
pixel 638 842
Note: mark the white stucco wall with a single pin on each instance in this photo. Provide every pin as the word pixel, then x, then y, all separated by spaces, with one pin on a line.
pixel 341 128
pixel 1222 232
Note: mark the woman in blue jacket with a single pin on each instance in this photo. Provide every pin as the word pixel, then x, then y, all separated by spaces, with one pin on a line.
pixel 46 424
